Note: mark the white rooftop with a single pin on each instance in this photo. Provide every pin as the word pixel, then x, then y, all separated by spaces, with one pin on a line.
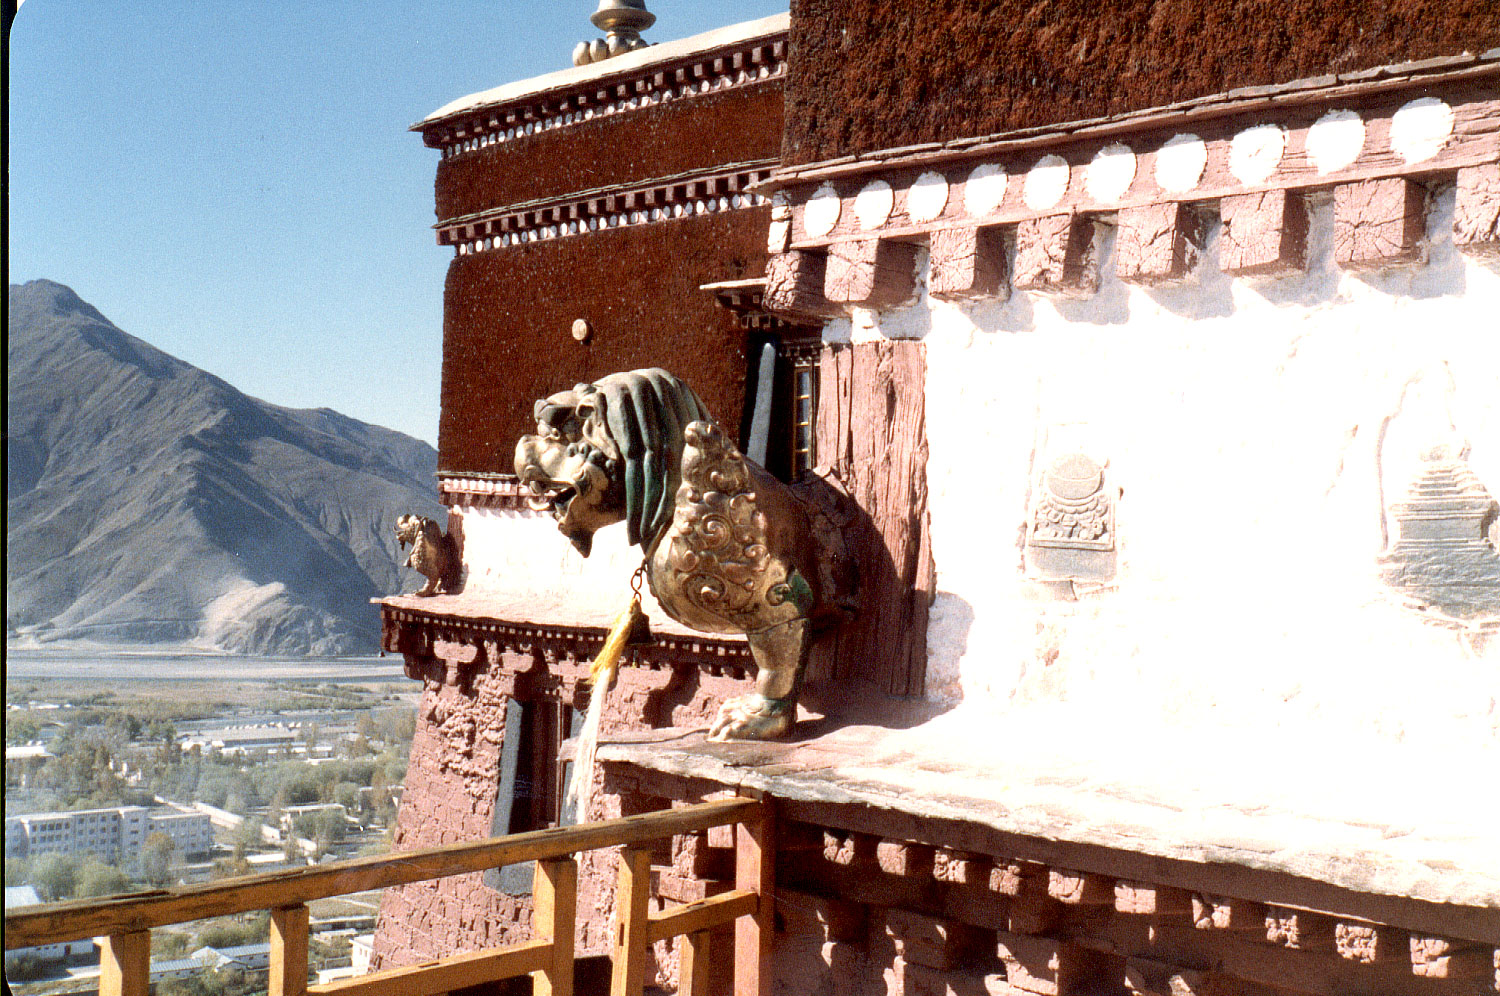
pixel 21 895
pixel 649 56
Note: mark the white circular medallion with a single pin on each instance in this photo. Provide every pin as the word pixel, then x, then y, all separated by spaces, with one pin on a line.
pixel 927 197
pixel 821 212
pixel 1420 129
pixel 1180 162
pixel 1334 141
pixel 873 204
pixel 1046 183
pixel 1110 173
pixel 1256 152
pixel 984 189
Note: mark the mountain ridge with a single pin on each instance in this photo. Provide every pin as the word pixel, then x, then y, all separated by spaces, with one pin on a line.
pixel 149 501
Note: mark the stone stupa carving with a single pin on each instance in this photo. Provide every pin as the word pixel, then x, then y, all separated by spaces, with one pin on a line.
pixel 1445 556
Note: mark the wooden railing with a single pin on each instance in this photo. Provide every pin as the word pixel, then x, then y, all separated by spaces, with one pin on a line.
pixel 124 922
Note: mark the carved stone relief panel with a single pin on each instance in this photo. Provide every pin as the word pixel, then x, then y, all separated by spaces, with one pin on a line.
pixel 1446 557
pixel 1071 530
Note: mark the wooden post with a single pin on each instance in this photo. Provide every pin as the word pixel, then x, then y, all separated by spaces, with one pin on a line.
pixel 554 892
pixel 755 869
pixel 125 964
pixel 288 974
pixel 693 966
pixel 633 923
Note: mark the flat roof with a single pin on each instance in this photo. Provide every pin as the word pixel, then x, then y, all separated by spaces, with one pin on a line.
pixel 620 64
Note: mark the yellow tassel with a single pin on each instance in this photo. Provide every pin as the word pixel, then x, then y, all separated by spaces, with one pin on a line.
pixel 602 674
pixel 608 659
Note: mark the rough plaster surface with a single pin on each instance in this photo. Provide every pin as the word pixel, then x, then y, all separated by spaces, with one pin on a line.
pixel 1259 431
pixel 871 74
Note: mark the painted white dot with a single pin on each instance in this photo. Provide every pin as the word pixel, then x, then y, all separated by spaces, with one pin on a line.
pixel 1420 129
pixel 984 189
pixel 821 212
pixel 1256 152
pixel 1334 141
pixel 873 204
pixel 927 197
pixel 1180 162
pixel 1110 173
pixel 1046 182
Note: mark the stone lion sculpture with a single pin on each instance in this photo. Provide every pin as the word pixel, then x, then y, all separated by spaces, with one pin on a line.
pixel 727 547
pixel 432 553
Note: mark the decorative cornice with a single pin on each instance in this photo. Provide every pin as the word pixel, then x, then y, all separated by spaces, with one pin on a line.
pixel 710 191
pixel 845 235
pixel 420 634
pixel 1283 148
pixel 496 491
pixel 745 63
pixel 1246 100
pixel 746 299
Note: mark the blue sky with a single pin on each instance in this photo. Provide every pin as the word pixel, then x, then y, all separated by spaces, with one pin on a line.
pixel 234 182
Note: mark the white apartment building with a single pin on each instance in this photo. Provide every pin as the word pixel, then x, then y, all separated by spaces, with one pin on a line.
pixel 114 835
pixel 191 833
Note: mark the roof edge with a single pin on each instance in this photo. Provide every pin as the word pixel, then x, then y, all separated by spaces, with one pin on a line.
pixel 707 41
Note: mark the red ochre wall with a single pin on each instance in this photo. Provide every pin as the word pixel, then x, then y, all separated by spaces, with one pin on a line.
pixel 508 314
pixel 872 74
pixel 451 781
pixel 735 125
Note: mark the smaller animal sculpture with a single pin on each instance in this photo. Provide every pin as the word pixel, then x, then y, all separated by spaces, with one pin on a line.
pixel 727 547
pixel 432 554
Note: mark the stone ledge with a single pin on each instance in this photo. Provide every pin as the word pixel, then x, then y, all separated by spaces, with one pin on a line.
pixel 866 778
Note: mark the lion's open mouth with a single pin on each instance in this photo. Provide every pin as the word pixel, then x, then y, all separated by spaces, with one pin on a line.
pixel 550 496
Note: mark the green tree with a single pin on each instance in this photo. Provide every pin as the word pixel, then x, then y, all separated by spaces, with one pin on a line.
pixel 96 878
pixel 56 875
pixel 170 944
pixel 17 870
pixel 346 794
pixel 328 828
pixel 156 859
pixel 21 729
pixel 248 834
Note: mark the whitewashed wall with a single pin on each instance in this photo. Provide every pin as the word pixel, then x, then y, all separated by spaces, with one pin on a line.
pixel 522 561
pixel 1242 419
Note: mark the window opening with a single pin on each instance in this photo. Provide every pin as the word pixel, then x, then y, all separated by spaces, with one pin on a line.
pixel 804 362
pixel 532 781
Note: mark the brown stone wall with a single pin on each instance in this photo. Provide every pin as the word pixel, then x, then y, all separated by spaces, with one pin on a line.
pixel 870 74
pixel 508 312
pixel 737 125
pixel 451 781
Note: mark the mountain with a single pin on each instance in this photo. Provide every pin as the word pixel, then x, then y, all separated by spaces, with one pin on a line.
pixel 150 502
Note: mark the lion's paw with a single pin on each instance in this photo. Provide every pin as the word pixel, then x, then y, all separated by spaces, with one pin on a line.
pixel 752 717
